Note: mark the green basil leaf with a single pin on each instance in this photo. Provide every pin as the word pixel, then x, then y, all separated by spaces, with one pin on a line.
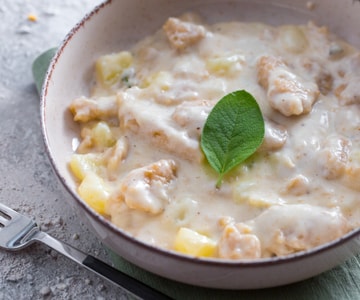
pixel 233 131
pixel 40 66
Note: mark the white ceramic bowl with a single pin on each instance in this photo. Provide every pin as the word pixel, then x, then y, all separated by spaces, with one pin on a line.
pixel 115 26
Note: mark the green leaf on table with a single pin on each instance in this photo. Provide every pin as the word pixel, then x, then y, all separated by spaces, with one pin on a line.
pixel 40 66
pixel 233 131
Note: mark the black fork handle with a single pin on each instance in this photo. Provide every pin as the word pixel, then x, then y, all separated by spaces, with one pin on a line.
pixel 132 285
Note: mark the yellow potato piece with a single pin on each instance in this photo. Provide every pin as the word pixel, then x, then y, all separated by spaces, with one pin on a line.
pixel 163 80
pixel 190 242
pixel 109 68
pixel 293 39
pixel 226 65
pixel 81 164
pixel 102 135
pixel 94 192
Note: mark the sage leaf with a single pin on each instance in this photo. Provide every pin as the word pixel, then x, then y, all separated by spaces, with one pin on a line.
pixel 233 131
pixel 40 66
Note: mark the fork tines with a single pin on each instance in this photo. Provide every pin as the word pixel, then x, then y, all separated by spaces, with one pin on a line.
pixel 4 215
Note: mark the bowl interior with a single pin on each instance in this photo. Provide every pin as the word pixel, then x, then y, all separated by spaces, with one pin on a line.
pixel 117 25
pixel 103 31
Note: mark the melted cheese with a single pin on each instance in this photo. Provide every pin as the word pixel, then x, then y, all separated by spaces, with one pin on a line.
pixel 298 191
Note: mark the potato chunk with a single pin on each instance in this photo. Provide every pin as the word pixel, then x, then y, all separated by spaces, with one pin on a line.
pixel 225 65
pixel 81 164
pixel 95 192
pixel 98 137
pixel 293 39
pixel 109 68
pixel 190 242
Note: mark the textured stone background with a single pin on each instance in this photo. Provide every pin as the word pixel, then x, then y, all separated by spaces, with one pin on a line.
pixel 27 182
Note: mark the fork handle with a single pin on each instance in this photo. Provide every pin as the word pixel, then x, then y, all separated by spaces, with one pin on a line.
pixel 132 285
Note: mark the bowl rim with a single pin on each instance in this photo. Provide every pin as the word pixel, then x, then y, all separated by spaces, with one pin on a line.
pixel 245 263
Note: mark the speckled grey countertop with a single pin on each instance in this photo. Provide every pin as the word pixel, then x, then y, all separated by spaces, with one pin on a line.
pixel 27 182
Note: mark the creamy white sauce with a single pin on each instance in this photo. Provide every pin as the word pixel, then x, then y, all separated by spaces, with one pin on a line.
pixel 298 191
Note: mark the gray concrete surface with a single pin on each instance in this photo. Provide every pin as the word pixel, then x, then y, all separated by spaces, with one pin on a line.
pixel 27 182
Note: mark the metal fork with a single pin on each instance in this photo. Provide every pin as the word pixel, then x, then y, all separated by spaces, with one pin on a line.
pixel 18 231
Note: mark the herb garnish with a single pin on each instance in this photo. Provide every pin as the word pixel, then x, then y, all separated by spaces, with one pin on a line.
pixel 233 131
